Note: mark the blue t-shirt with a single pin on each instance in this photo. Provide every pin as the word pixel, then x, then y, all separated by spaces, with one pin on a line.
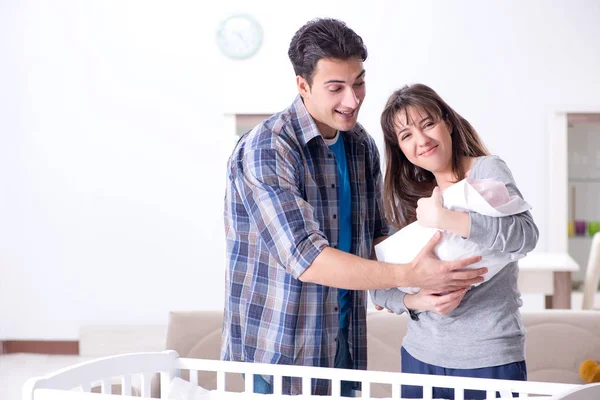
pixel 345 217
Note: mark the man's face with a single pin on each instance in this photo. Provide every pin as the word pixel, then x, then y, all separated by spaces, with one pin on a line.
pixel 336 94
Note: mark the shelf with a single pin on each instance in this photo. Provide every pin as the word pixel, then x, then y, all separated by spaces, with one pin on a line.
pixel 584 180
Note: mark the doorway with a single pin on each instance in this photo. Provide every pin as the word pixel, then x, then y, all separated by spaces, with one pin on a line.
pixel 573 184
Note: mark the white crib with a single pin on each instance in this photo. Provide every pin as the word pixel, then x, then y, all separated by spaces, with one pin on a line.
pixel 76 382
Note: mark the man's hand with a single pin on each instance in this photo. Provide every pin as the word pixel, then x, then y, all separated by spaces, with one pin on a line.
pixel 430 210
pixel 428 272
pixel 427 300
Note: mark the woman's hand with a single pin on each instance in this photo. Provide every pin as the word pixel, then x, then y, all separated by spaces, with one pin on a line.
pixel 427 300
pixel 430 210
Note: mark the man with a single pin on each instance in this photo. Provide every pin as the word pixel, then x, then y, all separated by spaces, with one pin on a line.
pixel 302 214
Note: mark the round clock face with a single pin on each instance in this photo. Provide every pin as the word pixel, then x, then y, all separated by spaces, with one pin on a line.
pixel 239 36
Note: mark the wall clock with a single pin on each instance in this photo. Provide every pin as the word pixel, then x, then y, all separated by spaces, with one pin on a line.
pixel 239 36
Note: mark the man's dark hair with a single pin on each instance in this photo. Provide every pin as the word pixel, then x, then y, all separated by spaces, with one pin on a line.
pixel 323 38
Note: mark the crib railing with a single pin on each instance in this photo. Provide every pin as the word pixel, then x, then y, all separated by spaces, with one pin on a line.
pixel 428 382
pixel 102 372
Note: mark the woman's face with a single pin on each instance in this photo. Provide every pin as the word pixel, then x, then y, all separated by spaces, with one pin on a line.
pixel 425 141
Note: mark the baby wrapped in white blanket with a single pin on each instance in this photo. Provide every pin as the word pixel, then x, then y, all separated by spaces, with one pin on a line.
pixel 483 196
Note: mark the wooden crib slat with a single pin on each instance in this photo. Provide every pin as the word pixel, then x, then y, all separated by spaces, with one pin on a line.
pixel 126 385
pixel 365 389
pixel 306 386
pixel 395 390
pixel 277 385
pixel 194 377
pixel 249 383
pixel 490 394
pixel 165 381
pixel 106 386
pixel 146 384
pixel 459 393
pixel 336 387
pixel 427 392
pixel 221 381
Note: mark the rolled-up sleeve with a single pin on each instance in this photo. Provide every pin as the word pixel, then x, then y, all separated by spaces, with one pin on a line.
pixel 390 299
pixel 269 181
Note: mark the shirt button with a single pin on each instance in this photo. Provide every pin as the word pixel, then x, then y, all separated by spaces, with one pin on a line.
pixel 333 185
pixel 334 246
pixel 329 156
pixel 335 309
pixel 334 216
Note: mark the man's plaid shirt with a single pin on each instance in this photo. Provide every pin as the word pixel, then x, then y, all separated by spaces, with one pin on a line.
pixel 281 209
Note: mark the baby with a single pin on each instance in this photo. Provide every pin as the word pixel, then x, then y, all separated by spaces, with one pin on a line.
pixel 484 196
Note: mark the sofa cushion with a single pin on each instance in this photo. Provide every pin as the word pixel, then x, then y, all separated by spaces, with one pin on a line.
pixel 197 334
pixel 556 342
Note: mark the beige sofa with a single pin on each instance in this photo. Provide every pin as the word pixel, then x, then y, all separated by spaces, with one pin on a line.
pixel 556 344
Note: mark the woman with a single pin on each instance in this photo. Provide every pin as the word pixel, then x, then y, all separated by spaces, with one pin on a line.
pixel 429 147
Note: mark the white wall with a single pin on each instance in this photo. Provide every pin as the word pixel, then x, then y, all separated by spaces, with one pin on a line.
pixel 113 147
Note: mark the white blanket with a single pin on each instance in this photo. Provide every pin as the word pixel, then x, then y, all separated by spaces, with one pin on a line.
pixel 483 196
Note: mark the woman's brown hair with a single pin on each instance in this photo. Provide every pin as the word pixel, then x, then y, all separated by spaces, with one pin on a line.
pixel 405 183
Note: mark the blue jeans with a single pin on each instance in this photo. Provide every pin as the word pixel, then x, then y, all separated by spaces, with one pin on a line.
pixel 342 360
pixel 516 371
pixel 262 386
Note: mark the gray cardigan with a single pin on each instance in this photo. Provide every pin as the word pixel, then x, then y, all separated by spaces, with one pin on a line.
pixel 485 330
